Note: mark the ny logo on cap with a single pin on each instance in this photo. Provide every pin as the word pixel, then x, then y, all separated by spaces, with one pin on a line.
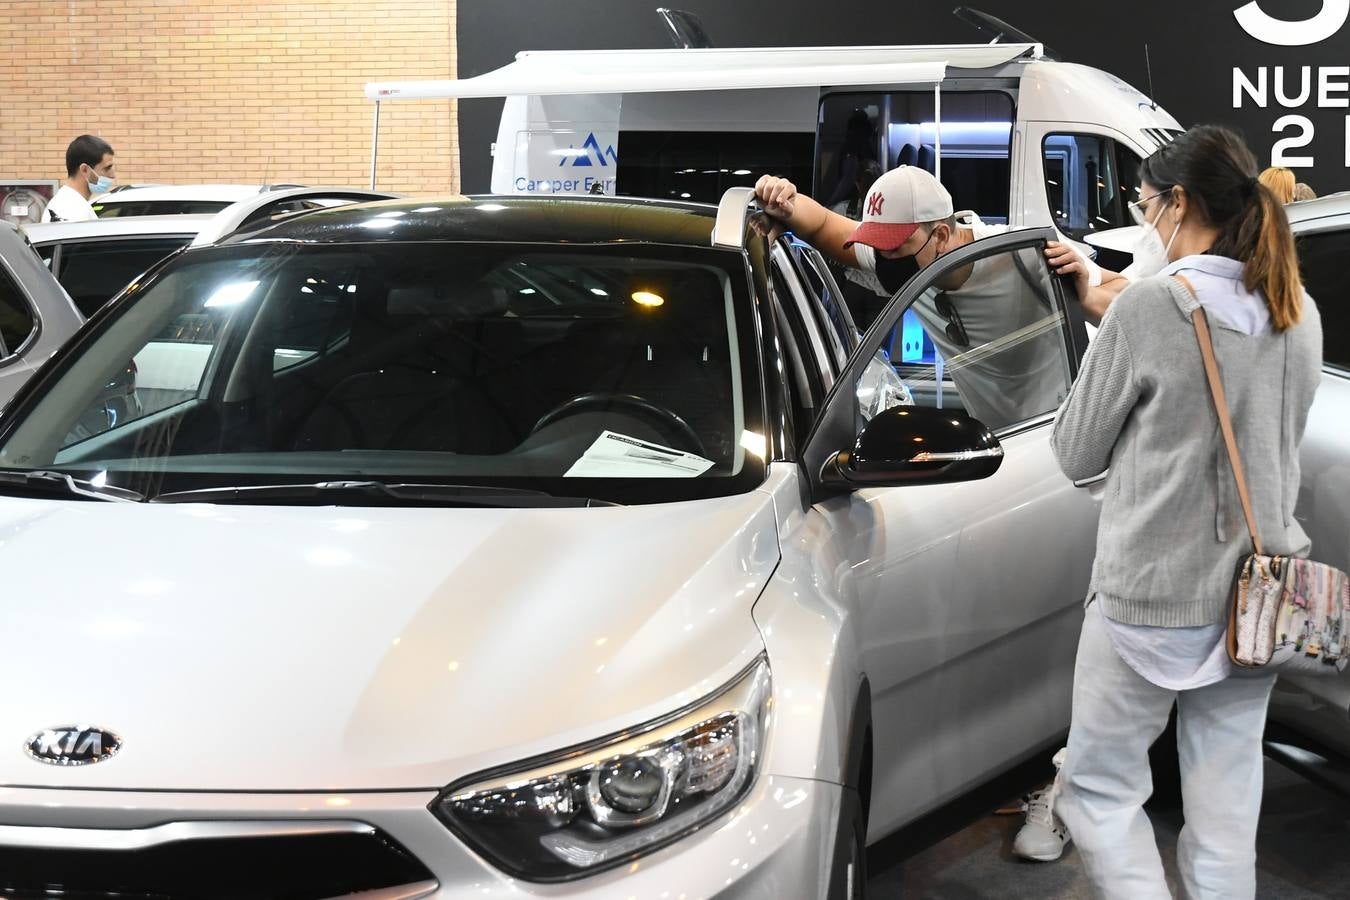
pixel 874 202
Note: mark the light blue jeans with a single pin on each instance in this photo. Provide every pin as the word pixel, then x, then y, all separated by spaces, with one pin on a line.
pixel 1117 714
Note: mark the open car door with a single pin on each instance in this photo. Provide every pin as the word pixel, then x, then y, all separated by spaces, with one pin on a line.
pixel 959 584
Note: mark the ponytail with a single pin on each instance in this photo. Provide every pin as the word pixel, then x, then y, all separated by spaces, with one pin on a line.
pixel 1261 238
pixel 1218 172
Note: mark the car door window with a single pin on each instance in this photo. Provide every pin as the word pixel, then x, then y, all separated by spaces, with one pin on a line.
pixel 811 375
pixel 805 318
pixel 1327 279
pixel 92 272
pixel 827 302
pixel 17 322
pixel 1090 180
pixel 1000 339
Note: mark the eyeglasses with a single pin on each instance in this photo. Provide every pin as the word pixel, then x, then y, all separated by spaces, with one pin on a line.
pixel 956 329
pixel 1138 209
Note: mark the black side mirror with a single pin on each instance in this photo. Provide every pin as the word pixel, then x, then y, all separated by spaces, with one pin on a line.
pixel 909 444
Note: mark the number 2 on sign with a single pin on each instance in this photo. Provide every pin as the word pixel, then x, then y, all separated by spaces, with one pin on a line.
pixel 1279 155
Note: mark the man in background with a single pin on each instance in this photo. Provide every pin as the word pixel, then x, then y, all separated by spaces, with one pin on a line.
pixel 90 170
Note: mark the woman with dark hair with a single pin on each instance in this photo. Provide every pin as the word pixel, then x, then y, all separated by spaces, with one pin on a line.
pixel 1171 529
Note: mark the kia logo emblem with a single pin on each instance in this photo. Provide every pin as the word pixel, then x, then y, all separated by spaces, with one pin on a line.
pixel 72 745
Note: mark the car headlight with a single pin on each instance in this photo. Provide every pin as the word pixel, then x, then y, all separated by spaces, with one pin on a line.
pixel 589 808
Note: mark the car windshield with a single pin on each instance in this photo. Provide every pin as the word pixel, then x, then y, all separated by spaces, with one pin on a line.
pixel 621 373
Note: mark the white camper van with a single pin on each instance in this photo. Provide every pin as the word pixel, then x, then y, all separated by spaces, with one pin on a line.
pixel 1014 134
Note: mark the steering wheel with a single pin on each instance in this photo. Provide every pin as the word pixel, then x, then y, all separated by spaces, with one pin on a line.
pixel 669 420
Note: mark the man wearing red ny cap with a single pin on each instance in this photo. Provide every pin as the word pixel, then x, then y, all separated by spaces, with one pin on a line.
pixel 908 222
pixel 986 320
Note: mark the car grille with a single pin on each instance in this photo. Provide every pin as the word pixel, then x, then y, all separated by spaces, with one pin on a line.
pixel 299 867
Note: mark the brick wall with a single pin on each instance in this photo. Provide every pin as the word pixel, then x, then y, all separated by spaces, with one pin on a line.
pixel 202 91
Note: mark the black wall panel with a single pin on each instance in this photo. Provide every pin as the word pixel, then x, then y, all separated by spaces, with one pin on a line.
pixel 1201 55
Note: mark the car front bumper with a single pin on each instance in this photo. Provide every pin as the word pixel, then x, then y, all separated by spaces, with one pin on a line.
pixel 778 842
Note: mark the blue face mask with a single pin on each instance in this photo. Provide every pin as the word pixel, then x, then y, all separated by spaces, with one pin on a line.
pixel 101 184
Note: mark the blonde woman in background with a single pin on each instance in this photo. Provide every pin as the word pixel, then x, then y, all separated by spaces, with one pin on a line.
pixel 1281 183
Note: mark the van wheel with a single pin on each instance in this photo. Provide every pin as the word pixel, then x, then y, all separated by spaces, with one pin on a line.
pixel 848 880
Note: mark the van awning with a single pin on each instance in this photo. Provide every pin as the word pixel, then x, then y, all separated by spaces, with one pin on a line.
pixel 712 69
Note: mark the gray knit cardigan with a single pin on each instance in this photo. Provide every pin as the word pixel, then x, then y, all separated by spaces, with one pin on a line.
pixel 1171 531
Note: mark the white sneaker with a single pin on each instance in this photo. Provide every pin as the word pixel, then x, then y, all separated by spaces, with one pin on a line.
pixel 1043 837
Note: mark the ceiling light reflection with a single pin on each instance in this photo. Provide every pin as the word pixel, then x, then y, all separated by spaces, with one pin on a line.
pixel 754 444
pixel 231 294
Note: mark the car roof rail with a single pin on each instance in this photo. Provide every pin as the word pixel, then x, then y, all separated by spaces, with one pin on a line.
pixel 733 212
pixel 242 215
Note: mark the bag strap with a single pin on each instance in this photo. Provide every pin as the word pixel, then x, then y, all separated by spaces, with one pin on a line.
pixel 1221 407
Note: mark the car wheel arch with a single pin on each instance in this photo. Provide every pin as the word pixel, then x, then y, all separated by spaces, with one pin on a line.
pixel 857 774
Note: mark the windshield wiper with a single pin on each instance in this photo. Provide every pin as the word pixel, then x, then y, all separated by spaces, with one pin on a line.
pixel 404 494
pixel 59 483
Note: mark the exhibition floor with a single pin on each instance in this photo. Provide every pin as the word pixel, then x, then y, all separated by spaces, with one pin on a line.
pixel 1301 849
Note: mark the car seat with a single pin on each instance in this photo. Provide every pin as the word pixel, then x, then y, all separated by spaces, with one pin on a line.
pixel 412 384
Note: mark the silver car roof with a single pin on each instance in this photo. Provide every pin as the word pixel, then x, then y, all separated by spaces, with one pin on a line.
pixel 1306 214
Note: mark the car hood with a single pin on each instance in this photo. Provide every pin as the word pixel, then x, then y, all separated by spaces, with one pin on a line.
pixel 301 648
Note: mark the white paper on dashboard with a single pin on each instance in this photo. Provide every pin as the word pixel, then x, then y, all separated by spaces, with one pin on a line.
pixel 616 455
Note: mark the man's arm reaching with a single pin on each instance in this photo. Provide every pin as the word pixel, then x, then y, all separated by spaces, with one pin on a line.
pixel 1064 260
pixel 820 227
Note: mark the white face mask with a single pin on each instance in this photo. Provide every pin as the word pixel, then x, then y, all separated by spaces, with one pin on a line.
pixel 1150 253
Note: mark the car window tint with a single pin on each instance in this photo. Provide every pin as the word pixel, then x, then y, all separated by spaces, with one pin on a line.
pixel 1090 180
pixel 996 349
pixel 93 271
pixel 16 319
pixel 1327 279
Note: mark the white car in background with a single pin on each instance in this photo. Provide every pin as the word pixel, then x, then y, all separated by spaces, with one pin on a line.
pixel 177 199
pixel 94 260
pixel 80 266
